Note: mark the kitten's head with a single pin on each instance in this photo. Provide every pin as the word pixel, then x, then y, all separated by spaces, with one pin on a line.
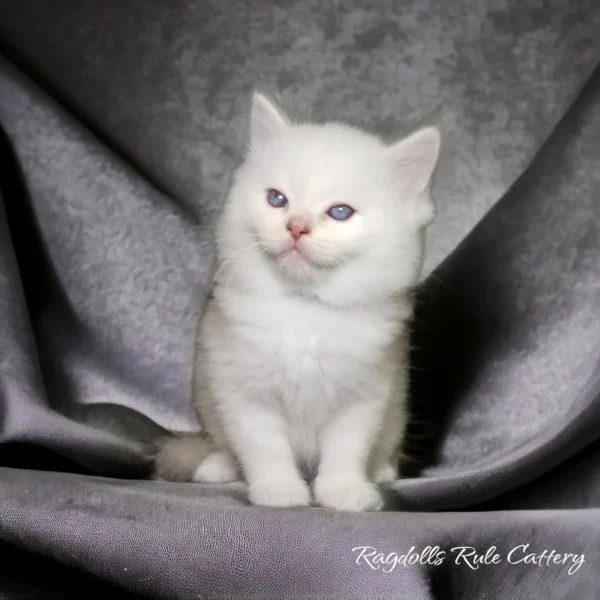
pixel 329 206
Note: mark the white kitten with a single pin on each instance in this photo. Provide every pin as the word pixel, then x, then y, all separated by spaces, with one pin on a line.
pixel 302 353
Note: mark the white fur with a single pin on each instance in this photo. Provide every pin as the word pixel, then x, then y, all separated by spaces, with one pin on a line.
pixel 302 360
pixel 217 467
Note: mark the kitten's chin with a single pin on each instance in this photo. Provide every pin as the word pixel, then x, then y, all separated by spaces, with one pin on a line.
pixel 296 265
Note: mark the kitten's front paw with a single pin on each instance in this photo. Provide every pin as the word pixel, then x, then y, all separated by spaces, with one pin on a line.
pixel 348 495
pixel 283 494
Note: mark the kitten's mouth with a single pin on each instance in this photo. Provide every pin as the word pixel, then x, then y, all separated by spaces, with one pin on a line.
pixel 295 255
pixel 296 258
pixel 298 265
pixel 294 251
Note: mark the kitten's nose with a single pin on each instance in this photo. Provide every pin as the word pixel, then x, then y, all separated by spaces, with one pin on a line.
pixel 298 226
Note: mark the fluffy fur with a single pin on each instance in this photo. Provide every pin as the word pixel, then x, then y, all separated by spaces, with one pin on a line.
pixel 301 362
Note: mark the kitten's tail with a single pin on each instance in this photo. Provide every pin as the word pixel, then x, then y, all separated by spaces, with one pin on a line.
pixel 179 456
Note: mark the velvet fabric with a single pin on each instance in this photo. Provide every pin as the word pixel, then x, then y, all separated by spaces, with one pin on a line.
pixel 120 124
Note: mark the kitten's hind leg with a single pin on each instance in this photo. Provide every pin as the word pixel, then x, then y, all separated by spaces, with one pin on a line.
pixel 218 467
pixel 385 472
pixel 193 457
pixel 179 455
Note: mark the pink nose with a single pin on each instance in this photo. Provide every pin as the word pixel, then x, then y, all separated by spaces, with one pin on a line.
pixel 298 227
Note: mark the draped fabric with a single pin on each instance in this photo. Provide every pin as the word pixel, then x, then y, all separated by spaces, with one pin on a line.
pixel 120 124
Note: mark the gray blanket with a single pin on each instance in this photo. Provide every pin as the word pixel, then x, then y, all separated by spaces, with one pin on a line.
pixel 120 123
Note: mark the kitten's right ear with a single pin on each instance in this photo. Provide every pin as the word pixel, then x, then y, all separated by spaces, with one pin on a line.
pixel 266 120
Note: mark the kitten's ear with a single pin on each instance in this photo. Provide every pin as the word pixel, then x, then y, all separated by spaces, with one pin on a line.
pixel 413 160
pixel 266 120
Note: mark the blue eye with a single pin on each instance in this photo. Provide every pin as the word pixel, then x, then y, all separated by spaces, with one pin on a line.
pixel 341 212
pixel 276 199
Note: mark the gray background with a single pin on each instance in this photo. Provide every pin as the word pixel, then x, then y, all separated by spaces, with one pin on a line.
pixel 121 123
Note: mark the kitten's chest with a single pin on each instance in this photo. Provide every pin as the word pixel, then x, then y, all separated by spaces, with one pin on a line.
pixel 300 337
pixel 304 348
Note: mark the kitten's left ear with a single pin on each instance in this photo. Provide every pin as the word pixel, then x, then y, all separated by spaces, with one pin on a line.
pixel 413 160
pixel 266 120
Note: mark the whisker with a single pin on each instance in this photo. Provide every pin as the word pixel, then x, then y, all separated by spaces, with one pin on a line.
pixel 231 259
